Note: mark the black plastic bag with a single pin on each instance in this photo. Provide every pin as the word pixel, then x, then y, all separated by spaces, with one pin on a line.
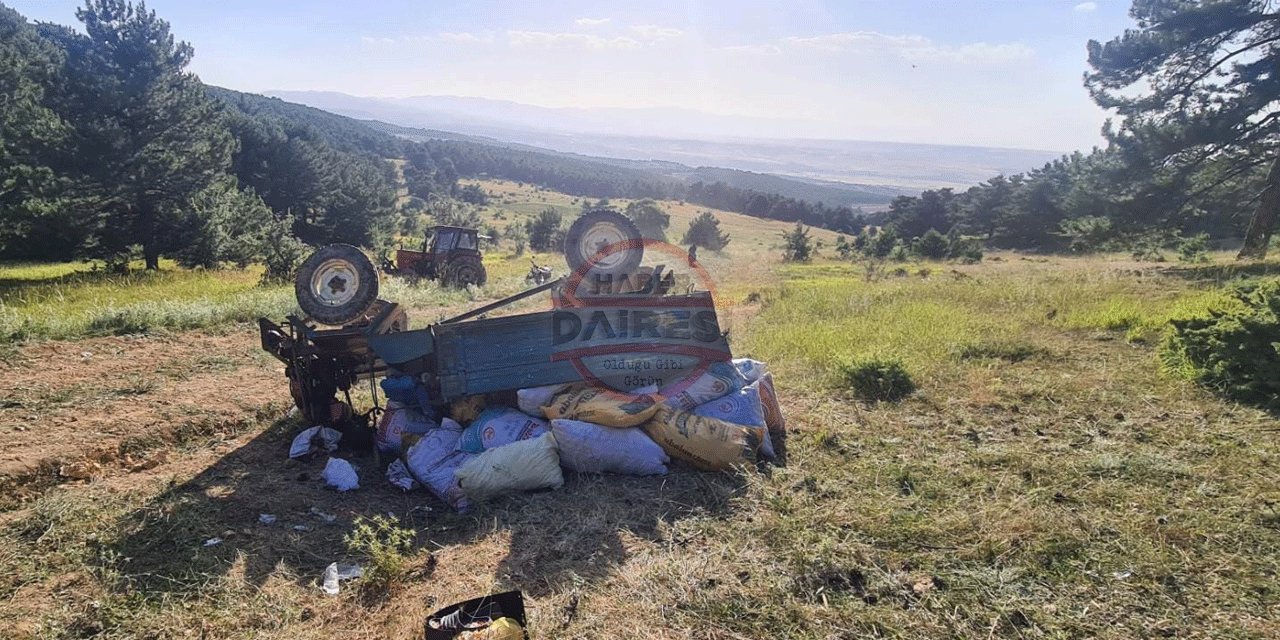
pixel 474 615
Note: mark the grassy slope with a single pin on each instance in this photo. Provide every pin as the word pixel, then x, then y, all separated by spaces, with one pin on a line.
pixel 68 300
pixel 1046 482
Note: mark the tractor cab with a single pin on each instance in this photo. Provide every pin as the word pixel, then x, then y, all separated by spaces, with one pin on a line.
pixel 449 254
pixel 443 239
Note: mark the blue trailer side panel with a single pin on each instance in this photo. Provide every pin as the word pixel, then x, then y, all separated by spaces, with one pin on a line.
pixel 498 354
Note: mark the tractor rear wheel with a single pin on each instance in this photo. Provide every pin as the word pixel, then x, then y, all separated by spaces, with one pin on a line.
pixel 336 284
pixel 465 271
pixel 604 242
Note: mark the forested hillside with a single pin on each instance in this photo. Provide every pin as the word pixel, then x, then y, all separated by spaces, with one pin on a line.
pixel 1089 202
pixel 110 149
pixel 113 150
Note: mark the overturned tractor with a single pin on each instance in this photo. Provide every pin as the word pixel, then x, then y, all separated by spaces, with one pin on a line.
pixel 610 318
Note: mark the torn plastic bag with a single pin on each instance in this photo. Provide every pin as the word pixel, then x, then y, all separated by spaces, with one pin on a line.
pixel 408 392
pixel 751 370
pixel 313 440
pixel 601 406
pixel 719 380
pixel 398 475
pixel 340 475
pixel 706 443
pixel 527 465
pixel 335 573
pixel 498 426
pixel 591 448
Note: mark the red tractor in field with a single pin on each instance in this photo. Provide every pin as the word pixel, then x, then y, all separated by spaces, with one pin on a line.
pixel 449 254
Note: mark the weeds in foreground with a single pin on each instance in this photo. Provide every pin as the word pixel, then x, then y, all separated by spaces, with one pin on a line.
pixel 386 544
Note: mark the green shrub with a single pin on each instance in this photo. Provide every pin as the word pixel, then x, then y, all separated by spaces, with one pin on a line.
pixel 1194 249
pixel 879 244
pixel 899 252
pixel 385 543
pixel 877 379
pixel 1148 247
pixel 930 246
pixel 1233 350
pixel 1088 233
pixel 965 250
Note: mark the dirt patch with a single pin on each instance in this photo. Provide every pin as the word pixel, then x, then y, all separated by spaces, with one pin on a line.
pixel 80 409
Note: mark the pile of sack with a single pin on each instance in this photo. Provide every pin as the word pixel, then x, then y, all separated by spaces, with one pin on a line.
pixel 719 420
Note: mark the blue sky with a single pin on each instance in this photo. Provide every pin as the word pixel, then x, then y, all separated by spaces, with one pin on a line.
pixel 943 71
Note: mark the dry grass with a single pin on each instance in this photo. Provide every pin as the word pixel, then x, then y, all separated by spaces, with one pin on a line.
pixel 1044 482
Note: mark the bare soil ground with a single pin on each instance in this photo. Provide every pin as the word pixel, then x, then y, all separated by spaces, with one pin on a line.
pixel 74 410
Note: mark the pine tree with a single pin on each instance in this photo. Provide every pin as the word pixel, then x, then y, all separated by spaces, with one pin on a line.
pixel 704 231
pixel 543 230
pixel 33 217
pixel 150 137
pixel 649 218
pixel 798 247
pixel 1195 82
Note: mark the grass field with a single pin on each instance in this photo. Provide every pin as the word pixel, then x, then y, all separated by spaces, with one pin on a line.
pixel 1047 480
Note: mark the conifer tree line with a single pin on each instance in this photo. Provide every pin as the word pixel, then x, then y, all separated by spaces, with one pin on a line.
pixel 1191 151
pixel 110 148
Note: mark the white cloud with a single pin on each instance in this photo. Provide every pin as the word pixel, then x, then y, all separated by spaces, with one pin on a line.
pixel 753 49
pixel 591 22
pixel 856 40
pixel 467 37
pixel 369 40
pixel 583 40
pixel 654 33
pixel 912 47
pixel 1086 7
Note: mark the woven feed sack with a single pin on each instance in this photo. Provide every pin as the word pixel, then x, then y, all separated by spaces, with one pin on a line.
pixel 720 379
pixel 706 443
pixel 591 448
pixel 532 400
pixel 743 407
pixel 601 406
pixel 527 465
pixel 498 426
pixel 396 421
pixel 433 458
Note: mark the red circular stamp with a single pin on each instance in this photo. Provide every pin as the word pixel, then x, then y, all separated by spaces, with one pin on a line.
pixel 648 333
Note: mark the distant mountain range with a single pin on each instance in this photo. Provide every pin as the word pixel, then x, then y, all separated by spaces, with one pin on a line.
pixel 487 116
pixel 829 193
pixel 690 138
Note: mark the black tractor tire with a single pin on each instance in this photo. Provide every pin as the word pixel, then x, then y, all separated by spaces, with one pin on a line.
pixel 612 227
pixel 464 271
pixel 336 284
